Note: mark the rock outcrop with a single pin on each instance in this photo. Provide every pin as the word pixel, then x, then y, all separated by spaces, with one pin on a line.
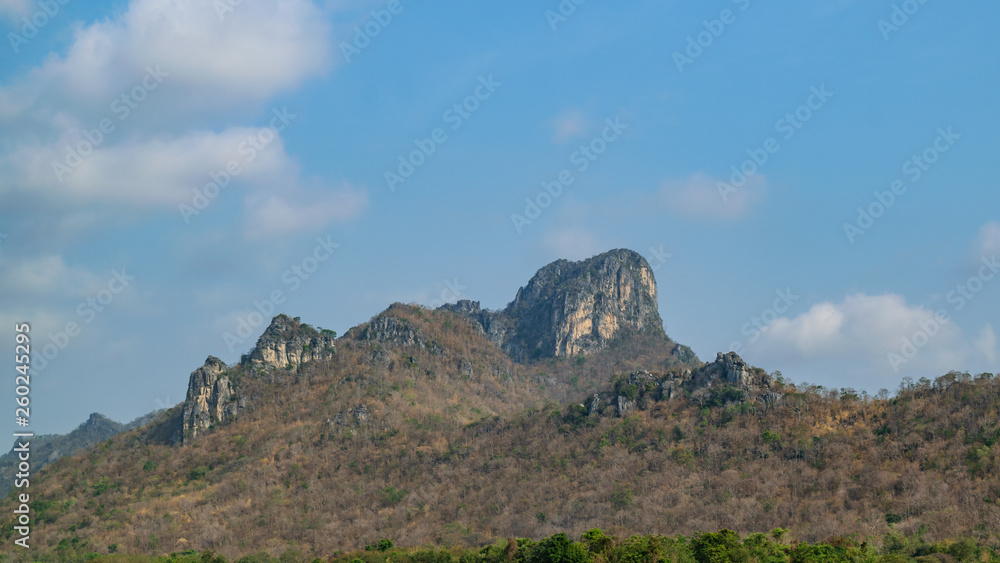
pixel 640 389
pixel 388 329
pixel 570 308
pixel 213 396
pixel 210 399
pixel 288 342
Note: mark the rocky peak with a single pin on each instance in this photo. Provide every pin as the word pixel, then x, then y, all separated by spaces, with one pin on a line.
pixel 732 370
pixel 289 342
pixel 571 308
pixel 98 420
pixel 212 395
pixel 209 400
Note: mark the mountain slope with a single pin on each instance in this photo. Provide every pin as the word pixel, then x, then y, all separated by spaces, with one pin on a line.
pixel 47 449
pixel 426 427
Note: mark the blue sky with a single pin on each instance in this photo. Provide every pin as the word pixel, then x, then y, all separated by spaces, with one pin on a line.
pixel 309 114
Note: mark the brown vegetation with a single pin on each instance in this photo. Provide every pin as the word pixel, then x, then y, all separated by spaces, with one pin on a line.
pixel 456 445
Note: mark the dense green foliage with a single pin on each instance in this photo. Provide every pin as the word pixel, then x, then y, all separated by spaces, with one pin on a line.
pixel 595 546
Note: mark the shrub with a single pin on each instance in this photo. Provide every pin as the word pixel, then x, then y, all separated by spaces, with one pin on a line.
pixel 558 549
pixel 621 496
pixel 596 540
pixel 392 495
pixel 725 546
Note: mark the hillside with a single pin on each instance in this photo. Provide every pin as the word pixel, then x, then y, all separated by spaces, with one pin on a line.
pixel 429 427
pixel 48 448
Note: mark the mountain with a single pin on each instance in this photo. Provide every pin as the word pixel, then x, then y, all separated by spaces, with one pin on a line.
pixel 571 308
pixel 46 449
pixel 570 409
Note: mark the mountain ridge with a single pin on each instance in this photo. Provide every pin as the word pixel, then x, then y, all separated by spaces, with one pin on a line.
pixel 417 426
pixel 565 309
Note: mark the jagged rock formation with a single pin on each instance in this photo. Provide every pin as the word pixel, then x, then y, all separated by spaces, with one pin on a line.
pixel 213 396
pixel 570 308
pixel 210 398
pixel 495 326
pixel 641 388
pixel 393 330
pixel 731 369
pixel 289 342
pixel 566 309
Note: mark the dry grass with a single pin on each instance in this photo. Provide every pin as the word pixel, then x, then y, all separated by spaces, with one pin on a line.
pixel 449 456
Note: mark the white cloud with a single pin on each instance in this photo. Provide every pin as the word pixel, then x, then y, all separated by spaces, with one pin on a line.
pixel 988 242
pixel 46 275
pixel 210 67
pixel 277 214
pixel 698 196
pixel 987 344
pixel 568 125
pixel 855 338
pixel 161 171
pixel 571 243
pixel 259 49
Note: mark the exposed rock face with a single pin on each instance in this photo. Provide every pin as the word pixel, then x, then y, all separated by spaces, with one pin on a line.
pixel 289 342
pixel 496 326
pixel 731 369
pixel 210 399
pixel 640 389
pixel 213 396
pixel 393 330
pixel 571 308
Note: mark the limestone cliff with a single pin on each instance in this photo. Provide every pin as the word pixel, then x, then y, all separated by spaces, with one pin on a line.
pixel 213 395
pixel 288 342
pixel 570 308
pixel 210 399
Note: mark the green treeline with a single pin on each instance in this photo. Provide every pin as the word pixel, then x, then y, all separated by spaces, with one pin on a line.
pixel 595 546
